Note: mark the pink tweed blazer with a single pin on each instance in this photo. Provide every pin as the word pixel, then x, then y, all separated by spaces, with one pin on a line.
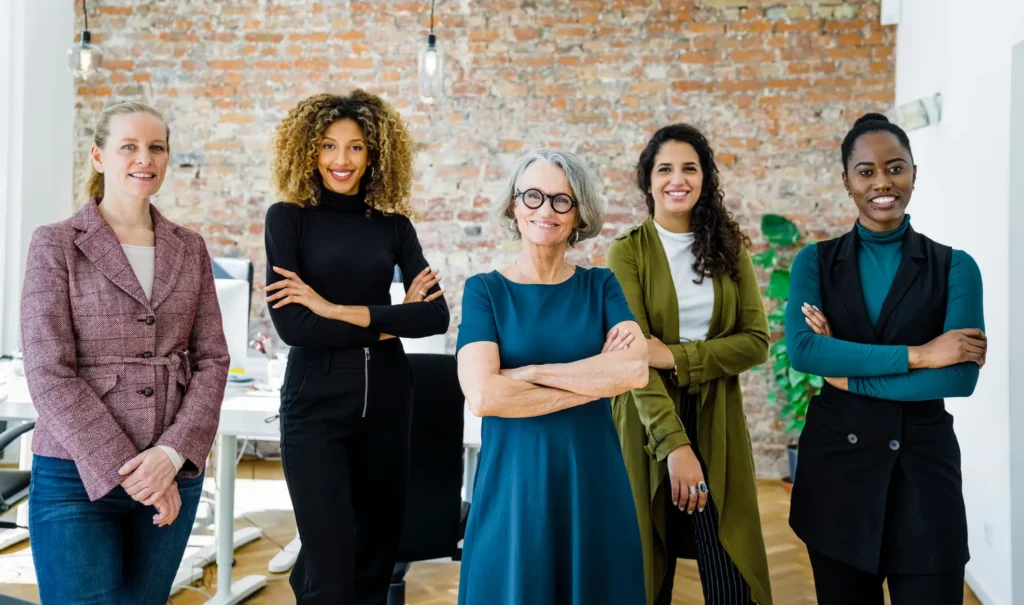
pixel 110 372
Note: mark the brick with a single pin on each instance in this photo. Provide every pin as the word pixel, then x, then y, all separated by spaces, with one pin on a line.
pixel 227 64
pixel 748 56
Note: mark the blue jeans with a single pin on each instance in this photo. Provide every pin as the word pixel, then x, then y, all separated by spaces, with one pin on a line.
pixel 106 552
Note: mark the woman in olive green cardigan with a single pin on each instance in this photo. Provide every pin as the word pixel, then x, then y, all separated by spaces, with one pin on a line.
pixel 691 284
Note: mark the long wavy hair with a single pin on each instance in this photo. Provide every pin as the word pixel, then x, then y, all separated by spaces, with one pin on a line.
pixel 388 179
pixel 717 236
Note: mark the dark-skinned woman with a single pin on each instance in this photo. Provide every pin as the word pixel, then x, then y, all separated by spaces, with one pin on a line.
pixel 894 322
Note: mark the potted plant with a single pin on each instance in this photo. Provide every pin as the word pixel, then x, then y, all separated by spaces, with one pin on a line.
pixel 783 241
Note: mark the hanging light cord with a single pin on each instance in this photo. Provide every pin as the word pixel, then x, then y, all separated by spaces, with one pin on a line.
pixel 85 12
pixel 431 15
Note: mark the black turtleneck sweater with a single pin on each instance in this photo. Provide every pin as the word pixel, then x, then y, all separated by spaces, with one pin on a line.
pixel 347 253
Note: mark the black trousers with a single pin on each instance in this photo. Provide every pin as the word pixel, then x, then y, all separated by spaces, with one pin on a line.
pixel 837 583
pixel 345 419
pixel 720 579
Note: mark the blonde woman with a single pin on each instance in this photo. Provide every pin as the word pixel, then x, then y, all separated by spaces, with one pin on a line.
pixel 343 165
pixel 126 363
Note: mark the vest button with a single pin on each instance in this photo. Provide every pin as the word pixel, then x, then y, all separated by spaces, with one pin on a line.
pixel 148 391
pixel 851 438
pixel 894 445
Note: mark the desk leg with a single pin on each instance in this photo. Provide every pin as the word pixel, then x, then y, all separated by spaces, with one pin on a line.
pixel 10 537
pixel 228 593
pixel 285 560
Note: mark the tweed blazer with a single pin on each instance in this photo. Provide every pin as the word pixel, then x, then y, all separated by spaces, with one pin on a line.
pixel 112 373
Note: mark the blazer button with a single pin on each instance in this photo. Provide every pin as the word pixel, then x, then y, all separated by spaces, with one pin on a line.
pixel 148 391
pixel 150 320
pixel 147 355
pixel 894 445
pixel 851 438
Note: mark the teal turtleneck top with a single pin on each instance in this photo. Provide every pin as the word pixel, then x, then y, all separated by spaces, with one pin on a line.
pixel 882 370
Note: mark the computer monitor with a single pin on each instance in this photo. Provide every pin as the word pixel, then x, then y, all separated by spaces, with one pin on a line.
pixel 233 297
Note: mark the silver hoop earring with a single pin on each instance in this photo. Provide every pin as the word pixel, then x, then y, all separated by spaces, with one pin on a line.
pixel 574 238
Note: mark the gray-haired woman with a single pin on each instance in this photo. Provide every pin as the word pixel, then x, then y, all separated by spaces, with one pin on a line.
pixel 542 347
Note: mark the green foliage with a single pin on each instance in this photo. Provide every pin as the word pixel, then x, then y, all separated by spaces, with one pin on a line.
pixel 797 388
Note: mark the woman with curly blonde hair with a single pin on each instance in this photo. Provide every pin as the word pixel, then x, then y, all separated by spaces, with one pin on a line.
pixel 343 165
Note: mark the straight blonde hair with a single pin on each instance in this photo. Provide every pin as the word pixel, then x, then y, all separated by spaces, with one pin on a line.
pixel 94 183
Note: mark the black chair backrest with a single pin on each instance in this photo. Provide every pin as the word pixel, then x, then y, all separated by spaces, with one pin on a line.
pixel 433 514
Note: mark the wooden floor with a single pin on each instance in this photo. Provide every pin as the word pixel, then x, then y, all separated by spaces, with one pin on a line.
pixel 437 583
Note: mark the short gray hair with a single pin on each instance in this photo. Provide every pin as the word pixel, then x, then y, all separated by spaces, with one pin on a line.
pixel 589 203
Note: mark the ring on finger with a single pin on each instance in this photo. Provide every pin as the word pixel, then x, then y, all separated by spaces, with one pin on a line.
pixel 421 293
pixel 702 487
pixel 692 490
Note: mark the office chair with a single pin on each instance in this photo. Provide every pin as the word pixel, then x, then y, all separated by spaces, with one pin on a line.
pixel 435 518
pixel 14 483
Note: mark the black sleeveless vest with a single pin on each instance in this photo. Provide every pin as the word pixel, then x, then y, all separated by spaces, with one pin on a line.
pixel 878 483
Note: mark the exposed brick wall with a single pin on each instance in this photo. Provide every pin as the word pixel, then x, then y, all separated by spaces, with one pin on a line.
pixel 774 84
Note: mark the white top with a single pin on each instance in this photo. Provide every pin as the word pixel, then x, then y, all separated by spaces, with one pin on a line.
pixel 143 262
pixel 696 301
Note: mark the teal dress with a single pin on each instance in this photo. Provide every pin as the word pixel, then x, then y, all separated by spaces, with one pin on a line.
pixel 552 520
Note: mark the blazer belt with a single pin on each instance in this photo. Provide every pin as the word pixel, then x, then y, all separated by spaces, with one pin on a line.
pixel 179 370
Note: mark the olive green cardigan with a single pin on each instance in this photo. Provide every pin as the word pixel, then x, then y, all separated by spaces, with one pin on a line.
pixel 648 419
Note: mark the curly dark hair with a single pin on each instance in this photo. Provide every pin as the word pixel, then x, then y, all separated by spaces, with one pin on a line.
pixel 717 236
pixel 387 184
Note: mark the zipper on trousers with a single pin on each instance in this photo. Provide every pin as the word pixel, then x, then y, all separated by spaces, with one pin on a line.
pixel 366 375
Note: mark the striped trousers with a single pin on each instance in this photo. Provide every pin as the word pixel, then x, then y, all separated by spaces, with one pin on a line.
pixel 721 580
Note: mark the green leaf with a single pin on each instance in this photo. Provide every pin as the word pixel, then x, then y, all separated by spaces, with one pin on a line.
pixel 795 425
pixel 783 380
pixel 773 398
pixel 779 230
pixel 778 285
pixel 816 381
pixel 794 394
pixel 781 363
pixel 778 347
pixel 765 259
pixel 796 378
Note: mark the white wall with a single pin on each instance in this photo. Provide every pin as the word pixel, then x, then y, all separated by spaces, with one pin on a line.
pixel 1016 334
pixel 36 132
pixel 962 48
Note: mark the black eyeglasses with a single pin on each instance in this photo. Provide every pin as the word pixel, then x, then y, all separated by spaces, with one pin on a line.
pixel 534 198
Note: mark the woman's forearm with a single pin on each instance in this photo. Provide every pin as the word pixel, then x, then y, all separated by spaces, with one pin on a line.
pixel 506 397
pixel 604 375
pixel 352 314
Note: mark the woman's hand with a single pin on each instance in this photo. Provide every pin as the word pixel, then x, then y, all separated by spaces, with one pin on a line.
pixel 816 320
pixel 617 341
pixel 148 475
pixel 292 289
pixel 658 355
pixel 953 347
pixel 421 285
pixel 820 326
pixel 167 508
pixel 686 478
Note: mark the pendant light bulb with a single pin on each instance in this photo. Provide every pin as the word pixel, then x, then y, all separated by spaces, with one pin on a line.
pixel 85 58
pixel 431 68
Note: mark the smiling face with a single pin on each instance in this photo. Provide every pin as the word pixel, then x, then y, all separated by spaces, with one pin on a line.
pixel 880 177
pixel 343 158
pixel 676 180
pixel 134 159
pixel 543 226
